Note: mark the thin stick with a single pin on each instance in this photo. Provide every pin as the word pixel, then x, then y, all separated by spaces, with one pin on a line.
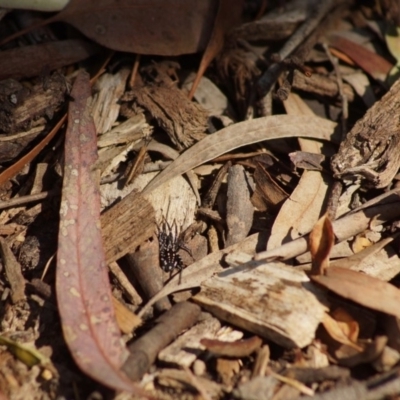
pixel 20 201
pixel 266 82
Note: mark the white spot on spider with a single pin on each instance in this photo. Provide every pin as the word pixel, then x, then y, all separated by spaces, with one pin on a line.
pixel 74 172
pixel 76 121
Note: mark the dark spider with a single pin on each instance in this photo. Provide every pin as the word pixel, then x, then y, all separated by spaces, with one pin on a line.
pixel 170 243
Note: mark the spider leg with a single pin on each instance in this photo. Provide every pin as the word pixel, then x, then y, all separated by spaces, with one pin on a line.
pixel 183 246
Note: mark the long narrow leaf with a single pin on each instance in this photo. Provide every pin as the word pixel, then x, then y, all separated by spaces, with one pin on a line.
pixel 83 291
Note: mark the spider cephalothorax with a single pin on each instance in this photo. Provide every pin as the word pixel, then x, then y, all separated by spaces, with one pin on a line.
pixel 170 243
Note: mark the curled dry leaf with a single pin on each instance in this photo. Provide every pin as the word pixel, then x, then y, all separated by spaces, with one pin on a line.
pixel 83 292
pixel 244 133
pixel 339 332
pixel 238 349
pixel 322 240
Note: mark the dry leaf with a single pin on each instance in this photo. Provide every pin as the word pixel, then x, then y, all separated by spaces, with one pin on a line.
pixel 28 61
pixel 370 62
pixel 303 207
pixel 362 289
pixel 241 134
pixel 228 15
pixel 141 26
pixel 83 290
pixel 322 240
pixel 341 332
pixel 237 349
pixel 267 189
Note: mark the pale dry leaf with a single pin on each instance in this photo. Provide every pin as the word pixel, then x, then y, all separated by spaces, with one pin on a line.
pixel 245 133
pixel 302 209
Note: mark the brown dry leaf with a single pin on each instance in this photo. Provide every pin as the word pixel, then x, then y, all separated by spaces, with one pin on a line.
pixel 370 62
pixel 160 27
pixel 347 323
pixel 28 61
pixel 341 332
pixel 228 15
pixel 322 240
pixel 362 289
pixel 241 134
pixel 83 291
pixel 267 189
pixel 238 349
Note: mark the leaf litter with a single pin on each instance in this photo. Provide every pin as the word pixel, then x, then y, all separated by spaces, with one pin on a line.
pixel 268 299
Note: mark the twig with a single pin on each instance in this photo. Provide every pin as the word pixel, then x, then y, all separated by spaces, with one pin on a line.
pixel 127 287
pixel 343 97
pixel 144 350
pixel 333 200
pixel 271 75
pixel 19 201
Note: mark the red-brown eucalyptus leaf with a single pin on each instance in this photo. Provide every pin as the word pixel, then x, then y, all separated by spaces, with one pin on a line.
pixel 159 27
pixel 83 290
pixel 322 240
pixel 372 63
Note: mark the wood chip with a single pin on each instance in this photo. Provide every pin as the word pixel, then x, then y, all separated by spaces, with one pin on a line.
pixel 271 301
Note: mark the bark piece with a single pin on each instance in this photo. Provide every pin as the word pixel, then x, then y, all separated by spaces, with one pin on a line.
pixel 270 300
pixel 108 89
pixel 145 267
pixel 239 207
pixel 22 109
pixel 371 150
pixel 184 121
pixel 144 350
pixel 184 350
pixel 13 272
pixel 126 225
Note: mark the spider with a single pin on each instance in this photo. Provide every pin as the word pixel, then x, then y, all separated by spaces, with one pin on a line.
pixel 170 243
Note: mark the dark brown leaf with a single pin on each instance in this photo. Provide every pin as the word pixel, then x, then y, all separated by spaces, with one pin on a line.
pixel 146 27
pixel 28 61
